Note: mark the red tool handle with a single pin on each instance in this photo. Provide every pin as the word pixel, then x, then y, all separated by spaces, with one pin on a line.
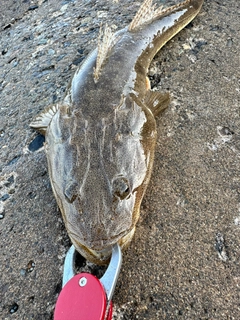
pixel 82 298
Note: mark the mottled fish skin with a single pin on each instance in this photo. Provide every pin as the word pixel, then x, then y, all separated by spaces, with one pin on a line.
pixel 100 141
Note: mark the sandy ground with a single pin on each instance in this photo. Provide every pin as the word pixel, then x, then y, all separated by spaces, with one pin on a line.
pixel 184 260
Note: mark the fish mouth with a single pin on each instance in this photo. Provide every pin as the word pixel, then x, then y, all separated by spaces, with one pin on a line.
pixel 102 255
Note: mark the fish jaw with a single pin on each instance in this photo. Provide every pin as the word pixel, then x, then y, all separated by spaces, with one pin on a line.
pixel 102 256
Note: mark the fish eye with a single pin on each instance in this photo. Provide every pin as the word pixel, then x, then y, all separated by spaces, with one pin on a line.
pixel 121 188
pixel 71 191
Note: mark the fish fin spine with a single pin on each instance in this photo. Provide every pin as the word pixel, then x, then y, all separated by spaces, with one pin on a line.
pixel 144 14
pixel 147 13
pixel 157 101
pixel 105 43
pixel 42 121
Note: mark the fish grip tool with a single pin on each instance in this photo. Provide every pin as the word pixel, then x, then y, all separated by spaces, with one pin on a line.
pixel 84 296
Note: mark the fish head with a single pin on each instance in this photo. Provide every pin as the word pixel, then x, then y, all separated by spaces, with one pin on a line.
pixel 99 169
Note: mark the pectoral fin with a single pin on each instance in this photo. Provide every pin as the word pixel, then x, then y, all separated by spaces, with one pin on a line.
pixel 44 118
pixel 156 101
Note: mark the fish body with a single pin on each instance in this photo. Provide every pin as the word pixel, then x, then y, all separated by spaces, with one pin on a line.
pixel 100 141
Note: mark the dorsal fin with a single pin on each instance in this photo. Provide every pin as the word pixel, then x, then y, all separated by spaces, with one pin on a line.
pixel 160 11
pixel 42 121
pixel 144 14
pixel 147 13
pixel 105 43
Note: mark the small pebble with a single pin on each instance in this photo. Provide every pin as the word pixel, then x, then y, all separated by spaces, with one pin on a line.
pixel 13 161
pixel 37 143
pixel 42 41
pixel 9 181
pixel 229 43
pixel 7 26
pixel 226 131
pixel 13 308
pixel 186 46
pixel 51 52
pixel 77 61
pixel 67 44
pixel 30 266
pixel 64 8
pixel 33 7
pixel 220 247
pixel 11 191
pixel 23 272
pixel 31 299
pixel 4 197
pixel 80 51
